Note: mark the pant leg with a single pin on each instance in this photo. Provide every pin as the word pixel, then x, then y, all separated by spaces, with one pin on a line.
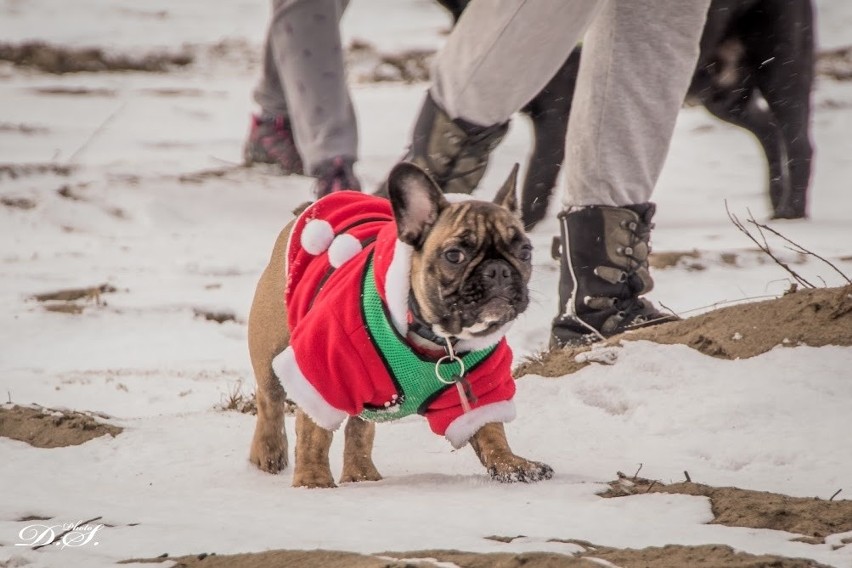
pixel 306 50
pixel 501 53
pixel 269 93
pixel 638 59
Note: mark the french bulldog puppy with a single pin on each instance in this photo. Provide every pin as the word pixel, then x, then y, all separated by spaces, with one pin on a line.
pixel 373 309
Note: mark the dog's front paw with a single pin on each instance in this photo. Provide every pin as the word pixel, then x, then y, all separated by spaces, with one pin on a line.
pixel 313 478
pixel 520 470
pixel 360 472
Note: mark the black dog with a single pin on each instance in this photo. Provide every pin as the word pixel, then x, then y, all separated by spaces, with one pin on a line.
pixel 755 70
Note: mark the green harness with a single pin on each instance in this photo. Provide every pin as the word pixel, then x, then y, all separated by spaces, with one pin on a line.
pixel 415 377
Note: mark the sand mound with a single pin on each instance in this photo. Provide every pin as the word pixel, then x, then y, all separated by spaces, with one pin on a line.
pixel 44 428
pixel 815 317
pixel 672 556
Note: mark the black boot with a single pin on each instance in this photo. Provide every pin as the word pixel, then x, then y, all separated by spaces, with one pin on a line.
pixel 603 271
pixel 454 152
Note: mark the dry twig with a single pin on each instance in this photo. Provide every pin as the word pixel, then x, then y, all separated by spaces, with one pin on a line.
pixel 796 247
pixel 635 475
pixel 764 246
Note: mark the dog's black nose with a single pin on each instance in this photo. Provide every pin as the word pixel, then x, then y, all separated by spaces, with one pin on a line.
pixel 497 273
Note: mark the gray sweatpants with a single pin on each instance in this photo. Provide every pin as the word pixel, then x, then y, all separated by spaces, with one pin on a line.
pixel 304 78
pixel 638 59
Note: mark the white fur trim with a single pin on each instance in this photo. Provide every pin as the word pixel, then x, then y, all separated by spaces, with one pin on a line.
pixel 462 428
pixel 398 284
pixel 477 343
pixel 303 393
pixel 342 249
pixel 317 235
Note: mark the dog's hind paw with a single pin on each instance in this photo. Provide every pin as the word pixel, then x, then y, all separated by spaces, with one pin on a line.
pixel 527 472
pixel 270 460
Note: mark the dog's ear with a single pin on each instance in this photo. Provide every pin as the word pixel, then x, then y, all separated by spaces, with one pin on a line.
pixel 417 202
pixel 506 196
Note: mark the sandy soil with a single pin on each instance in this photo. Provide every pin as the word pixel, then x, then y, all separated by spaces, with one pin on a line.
pixel 664 557
pixel 814 317
pixel 45 428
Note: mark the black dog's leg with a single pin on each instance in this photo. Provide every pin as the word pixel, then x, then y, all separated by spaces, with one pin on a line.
pixel 549 112
pixel 747 112
pixel 784 59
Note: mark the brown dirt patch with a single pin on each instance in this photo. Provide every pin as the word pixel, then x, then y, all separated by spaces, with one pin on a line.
pixel 22 128
pixel 24 203
pixel 15 171
pixel 706 556
pixel 74 91
pixel 836 63
pixel 215 316
pixel 72 294
pixel 45 428
pixel 671 556
pixel 74 300
pixel 368 65
pixel 670 259
pixel 814 317
pixel 60 60
pixel 734 507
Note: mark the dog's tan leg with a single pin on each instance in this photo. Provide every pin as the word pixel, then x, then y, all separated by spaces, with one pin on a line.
pixel 358 452
pixel 493 450
pixel 312 445
pixel 268 336
pixel 269 445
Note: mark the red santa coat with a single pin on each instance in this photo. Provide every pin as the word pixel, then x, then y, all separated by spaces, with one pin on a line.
pixel 332 368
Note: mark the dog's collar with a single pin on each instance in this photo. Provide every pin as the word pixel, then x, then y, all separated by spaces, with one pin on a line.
pixel 417 326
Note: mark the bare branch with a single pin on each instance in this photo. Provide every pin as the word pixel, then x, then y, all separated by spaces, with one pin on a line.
pixel 800 249
pixel 635 475
pixel 765 246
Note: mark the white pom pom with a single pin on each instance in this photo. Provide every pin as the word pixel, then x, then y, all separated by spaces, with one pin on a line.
pixel 342 249
pixel 316 236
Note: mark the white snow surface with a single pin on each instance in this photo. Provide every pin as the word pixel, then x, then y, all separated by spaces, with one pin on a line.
pixel 177 479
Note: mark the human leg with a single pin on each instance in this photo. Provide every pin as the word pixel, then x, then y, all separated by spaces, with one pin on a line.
pixel 638 59
pixel 271 139
pixel 493 63
pixel 304 79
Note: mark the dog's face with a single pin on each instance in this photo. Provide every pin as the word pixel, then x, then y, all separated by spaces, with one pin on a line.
pixel 471 260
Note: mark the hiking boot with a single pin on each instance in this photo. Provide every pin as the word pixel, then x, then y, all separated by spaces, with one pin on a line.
pixel 271 141
pixel 336 175
pixel 454 152
pixel 603 271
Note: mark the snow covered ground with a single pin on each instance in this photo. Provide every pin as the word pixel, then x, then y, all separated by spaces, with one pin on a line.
pixel 137 215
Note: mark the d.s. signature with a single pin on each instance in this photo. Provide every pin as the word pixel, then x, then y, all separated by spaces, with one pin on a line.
pixel 62 535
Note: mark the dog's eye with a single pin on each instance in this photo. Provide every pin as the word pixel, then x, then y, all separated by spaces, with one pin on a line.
pixel 454 255
pixel 526 253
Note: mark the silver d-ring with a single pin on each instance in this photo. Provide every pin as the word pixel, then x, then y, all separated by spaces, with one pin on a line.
pixel 438 365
